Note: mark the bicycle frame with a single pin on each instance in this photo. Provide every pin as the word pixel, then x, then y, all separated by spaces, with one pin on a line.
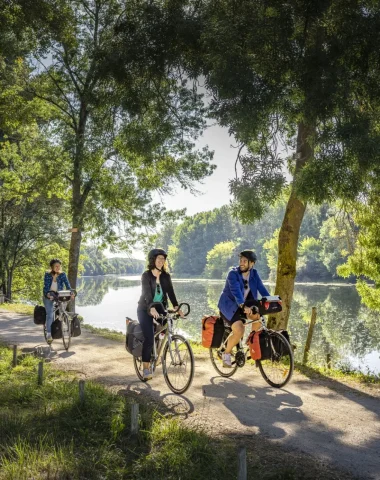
pixel 168 329
pixel 240 345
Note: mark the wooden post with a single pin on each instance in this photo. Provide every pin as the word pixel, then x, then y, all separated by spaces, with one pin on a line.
pixel 81 391
pixel 242 464
pixel 328 359
pixel 40 373
pixel 135 418
pixel 14 355
pixel 309 335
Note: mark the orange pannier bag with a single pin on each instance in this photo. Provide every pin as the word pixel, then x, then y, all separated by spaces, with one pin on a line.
pixel 212 331
pixel 253 342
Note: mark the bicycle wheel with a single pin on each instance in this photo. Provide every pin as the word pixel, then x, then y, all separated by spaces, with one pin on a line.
pixel 138 364
pixel 66 331
pixel 45 334
pixel 278 370
pixel 217 362
pixel 178 364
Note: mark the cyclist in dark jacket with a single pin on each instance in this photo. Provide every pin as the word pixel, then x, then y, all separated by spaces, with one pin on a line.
pixel 239 294
pixel 156 288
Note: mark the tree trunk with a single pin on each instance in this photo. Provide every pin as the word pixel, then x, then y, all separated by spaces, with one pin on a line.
pixel 290 229
pixel 8 292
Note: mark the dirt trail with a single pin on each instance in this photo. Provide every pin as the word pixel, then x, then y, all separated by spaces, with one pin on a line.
pixel 338 424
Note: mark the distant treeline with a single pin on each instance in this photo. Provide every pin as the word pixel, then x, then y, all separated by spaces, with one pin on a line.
pixel 207 244
pixel 96 263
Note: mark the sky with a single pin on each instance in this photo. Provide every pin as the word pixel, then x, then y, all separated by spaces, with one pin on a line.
pixel 214 191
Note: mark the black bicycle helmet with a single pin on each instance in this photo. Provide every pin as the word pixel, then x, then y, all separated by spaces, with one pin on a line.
pixel 55 260
pixel 249 254
pixel 155 252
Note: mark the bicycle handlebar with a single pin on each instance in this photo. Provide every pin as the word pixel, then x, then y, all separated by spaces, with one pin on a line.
pixel 171 311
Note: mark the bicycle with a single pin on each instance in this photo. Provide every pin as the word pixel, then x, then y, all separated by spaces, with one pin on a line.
pixel 60 300
pixel 276 371
pixel 177 355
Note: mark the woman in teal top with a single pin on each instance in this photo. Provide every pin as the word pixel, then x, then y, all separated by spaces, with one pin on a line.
pixel 157 287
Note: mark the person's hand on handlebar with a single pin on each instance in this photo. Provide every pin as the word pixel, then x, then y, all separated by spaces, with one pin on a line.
pixel 154 313
pixel 179 312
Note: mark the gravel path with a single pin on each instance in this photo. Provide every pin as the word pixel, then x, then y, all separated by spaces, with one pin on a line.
pixel 337 424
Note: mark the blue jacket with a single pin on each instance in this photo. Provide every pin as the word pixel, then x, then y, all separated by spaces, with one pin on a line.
pixel 62 282
pixel 233 292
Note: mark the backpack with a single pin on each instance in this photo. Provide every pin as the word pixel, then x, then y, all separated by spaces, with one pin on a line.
pixel 56 329
pixel 259 345
pixel 212 331
pixel 39 315
pixel 75 326
pixel 134 339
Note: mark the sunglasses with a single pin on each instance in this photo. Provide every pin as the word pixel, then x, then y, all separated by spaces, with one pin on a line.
pixel 245 284
pixel 158 287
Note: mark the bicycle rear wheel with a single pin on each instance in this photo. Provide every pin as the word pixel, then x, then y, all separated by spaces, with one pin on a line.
pixel 66 331
pixel 138 364
pixel 217 362
pixel 178 364
pixel 278 370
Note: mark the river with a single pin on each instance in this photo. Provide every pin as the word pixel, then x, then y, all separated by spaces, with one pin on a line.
pixel 345 329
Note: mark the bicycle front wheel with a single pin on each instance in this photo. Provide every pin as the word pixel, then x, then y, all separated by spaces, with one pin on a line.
pixel 217 362
pixel 277 370
pixel 178 364
pixel 66 331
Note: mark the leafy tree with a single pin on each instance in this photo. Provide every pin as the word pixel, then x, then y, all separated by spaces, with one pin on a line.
pixel 124 135
pixel 364 261
pixel 220 259
pixel 299 74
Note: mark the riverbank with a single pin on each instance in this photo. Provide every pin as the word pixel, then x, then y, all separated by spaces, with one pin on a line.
pixel 310 370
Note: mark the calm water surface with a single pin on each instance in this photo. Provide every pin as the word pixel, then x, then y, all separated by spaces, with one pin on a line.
pixel 345 328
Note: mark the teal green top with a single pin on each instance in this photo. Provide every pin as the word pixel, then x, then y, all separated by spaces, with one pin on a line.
pixel 158 295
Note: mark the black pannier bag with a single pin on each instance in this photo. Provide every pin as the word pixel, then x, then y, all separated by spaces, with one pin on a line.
pixel 56 329
pixel 134 339
pixel 278 345
pixel 75 326
pixel 265 347
pixel 39 315
pixel 270 305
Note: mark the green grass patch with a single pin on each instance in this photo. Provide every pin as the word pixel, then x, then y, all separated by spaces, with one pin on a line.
pixel 345 374
pixel 48 433
pixel 18 308
pixel 105 333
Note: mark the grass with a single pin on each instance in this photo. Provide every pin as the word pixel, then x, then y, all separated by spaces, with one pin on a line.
pixel 18 308
pixel 316 371
pixel 47 433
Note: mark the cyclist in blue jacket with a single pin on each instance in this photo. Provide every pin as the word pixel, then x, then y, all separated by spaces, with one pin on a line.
pixel 54 280
pixel 239 294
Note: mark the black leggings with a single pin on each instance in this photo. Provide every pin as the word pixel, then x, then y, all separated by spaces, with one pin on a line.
pixel 146 322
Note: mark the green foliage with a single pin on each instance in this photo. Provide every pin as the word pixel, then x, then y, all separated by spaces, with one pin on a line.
pixel 219 259
pixel 364 258
pixel 96 263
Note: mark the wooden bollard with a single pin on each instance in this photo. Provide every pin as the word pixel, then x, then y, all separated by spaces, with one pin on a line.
pixel 309 335
pixel 242 464
pixel 328 360
pixel 81 391
pixel 14 355
pixel 40 373
pixel 135 418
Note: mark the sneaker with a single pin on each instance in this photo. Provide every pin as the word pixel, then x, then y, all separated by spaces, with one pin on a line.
pixel 226 357
pixel 49 338
pixel 147 374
